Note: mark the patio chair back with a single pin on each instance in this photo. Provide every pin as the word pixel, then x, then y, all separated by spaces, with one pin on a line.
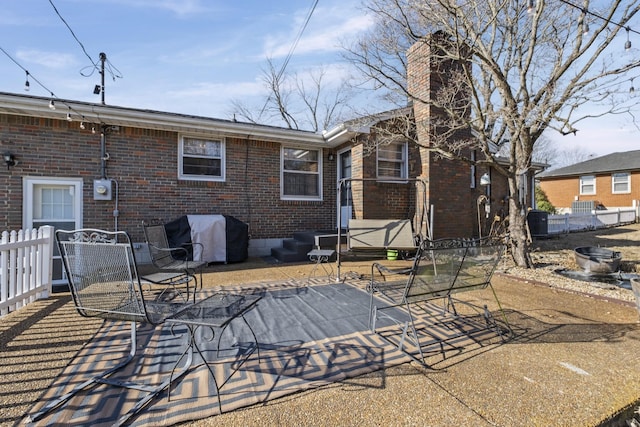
pixel 156 237
pixel 103 277
pixel 441 271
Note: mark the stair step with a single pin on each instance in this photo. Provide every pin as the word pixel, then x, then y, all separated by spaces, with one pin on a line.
pixel 286 255
pixel 297 246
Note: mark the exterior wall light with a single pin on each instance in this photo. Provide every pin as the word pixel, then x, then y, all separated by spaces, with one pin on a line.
pixel 9 159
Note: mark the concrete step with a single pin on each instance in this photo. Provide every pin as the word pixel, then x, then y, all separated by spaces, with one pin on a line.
pixel 283 254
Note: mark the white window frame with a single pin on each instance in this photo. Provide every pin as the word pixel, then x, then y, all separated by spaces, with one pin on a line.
pixel 404 163
pixel 587 180
pixel 192 177
pixel 627 181
pixel 284 196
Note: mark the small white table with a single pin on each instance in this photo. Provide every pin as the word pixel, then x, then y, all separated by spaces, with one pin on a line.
pixel 321 258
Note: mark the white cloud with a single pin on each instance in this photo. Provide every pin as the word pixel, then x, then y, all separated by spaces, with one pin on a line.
pixel 54 60
pixel 179 7
pixel 324 33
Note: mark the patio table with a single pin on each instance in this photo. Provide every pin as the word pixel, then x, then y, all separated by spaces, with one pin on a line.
pixel 214 312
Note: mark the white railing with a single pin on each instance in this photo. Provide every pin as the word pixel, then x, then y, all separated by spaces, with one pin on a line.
pixel 596 219
pixel 25 267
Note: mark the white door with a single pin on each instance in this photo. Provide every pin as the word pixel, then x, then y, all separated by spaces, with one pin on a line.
pixel 56 202
pixel 345 204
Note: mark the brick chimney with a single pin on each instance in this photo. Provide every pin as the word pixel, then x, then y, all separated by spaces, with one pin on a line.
pixel 449 181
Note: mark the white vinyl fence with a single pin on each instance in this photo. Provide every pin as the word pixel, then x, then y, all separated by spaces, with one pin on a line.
pixel 590 221
pixel 25 267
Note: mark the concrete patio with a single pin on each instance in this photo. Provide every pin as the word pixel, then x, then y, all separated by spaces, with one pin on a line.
pixel 574 361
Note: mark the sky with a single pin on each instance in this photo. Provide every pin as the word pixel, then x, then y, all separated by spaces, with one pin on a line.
pixel 197 56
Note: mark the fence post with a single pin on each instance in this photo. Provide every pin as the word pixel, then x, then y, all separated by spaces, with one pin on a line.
pixel 4 278
pixel 46 249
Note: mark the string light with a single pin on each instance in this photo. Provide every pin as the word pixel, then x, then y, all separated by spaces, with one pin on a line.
pixel 627 44
pixel 52 103
pixel 585 24
pixel 26 82
pixel 531 6
pixel 69 115
pixel 632 89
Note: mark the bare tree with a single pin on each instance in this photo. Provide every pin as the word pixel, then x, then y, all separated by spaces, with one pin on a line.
pixel 549 153
pixel 521 72
pixel 296 101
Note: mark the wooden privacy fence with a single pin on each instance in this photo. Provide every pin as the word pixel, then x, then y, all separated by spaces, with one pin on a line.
pixel 25 267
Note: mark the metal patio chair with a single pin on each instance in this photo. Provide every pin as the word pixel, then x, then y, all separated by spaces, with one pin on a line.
pixel 104 282
pixel 440 270
pixel 173 259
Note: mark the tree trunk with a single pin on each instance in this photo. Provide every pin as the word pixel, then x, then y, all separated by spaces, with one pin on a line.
pixel 519 238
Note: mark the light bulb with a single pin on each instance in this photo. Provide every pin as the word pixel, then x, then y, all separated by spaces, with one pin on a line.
pixel 52 105
pixel 531 6
pixel 82 126
pixel 69 115
pixel 627 44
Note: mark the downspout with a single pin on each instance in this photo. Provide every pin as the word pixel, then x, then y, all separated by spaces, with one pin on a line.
pixel 103 153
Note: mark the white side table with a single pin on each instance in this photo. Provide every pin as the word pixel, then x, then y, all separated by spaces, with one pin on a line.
pixel 321 258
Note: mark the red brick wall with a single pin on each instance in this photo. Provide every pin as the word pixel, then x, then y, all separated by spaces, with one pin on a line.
pixel 562 191
pixel 144 163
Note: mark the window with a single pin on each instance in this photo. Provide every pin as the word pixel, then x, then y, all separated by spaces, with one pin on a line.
pixel 392 160
pixel 301 174
pixel 588 184
pixel 620 183
pixel 201 159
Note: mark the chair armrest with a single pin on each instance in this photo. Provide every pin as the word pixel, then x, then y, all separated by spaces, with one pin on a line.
pixel 171 251
pixel 386 271
pixel 193 245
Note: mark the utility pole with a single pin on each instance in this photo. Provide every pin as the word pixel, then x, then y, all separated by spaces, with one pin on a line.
pixel 103 58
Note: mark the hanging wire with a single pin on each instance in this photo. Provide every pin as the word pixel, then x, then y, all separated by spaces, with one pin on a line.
pixel 594 14
pixel 54 98
pixel 113 71
pixel 292 49
pixel 94 64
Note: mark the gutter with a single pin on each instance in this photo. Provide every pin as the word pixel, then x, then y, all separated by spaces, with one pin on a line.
pixel 129 117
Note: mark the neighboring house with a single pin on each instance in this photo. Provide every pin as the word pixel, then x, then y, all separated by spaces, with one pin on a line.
pixel 100 166
pixel 611 181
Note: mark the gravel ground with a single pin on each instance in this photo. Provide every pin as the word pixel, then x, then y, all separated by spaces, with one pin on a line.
pixel 556 253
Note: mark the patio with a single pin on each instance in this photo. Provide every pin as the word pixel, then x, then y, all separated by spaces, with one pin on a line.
pixel 559 369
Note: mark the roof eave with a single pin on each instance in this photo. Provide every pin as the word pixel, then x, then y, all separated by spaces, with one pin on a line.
pixel 157 120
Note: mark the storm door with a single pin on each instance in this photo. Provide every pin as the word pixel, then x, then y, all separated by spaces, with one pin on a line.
pixel 56 202
pixel 346 201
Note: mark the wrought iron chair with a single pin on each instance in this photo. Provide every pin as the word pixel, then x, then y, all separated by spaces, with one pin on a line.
pixel 104 282
pixel 174 259
pixel 440 269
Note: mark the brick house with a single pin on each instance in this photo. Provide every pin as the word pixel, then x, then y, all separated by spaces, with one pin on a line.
pixel 100 166
pixel 612 181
